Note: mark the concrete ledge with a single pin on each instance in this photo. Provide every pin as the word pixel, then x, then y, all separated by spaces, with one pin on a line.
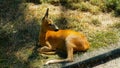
pixel 93 61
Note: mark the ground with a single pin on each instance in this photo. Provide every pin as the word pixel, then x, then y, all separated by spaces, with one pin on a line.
pixel 20 25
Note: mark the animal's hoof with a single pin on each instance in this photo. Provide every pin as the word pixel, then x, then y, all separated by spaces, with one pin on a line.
pixel 49 62
pixel 46 63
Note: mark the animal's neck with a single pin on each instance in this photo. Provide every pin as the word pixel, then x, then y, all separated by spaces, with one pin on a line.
pixel 42 36
pixel 42 33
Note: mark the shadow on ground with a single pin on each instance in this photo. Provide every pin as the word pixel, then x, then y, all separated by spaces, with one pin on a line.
pixel 16 35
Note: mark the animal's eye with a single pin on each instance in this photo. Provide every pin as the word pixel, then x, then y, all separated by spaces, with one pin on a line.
pixel 50 24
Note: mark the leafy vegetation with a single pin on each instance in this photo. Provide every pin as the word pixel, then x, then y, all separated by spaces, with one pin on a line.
pixel 113 5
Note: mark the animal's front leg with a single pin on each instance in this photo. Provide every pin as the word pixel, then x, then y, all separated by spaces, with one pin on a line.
pixel 44 49
pixel 47 49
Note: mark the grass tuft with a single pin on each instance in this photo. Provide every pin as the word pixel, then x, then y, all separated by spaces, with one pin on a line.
pixel 95 22
pixel 103 38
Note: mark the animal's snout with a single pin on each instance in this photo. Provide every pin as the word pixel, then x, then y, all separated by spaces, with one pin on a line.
pixel 53 27
pixel 56 28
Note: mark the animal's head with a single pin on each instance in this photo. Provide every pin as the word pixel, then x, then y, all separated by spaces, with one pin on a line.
pixel 47 23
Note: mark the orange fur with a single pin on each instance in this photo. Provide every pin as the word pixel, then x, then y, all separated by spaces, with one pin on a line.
pixel 53 39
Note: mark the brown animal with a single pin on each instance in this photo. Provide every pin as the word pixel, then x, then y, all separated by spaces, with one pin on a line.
pixel 53 39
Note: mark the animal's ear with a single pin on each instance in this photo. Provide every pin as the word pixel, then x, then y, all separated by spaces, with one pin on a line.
pixel 46 14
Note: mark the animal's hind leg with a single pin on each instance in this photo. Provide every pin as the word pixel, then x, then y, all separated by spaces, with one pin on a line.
pixel 69 58
pixel 69 51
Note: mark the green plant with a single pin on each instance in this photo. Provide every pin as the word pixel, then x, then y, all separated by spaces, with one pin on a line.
pixel 96 2
pixel 113 5
pixel 117 10
pixel 94 9
pixel 84 6
pixel 75 5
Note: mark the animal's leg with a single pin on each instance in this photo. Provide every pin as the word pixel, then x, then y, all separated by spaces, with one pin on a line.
pixel 46 50
pixel 69 55
pixel 49 53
